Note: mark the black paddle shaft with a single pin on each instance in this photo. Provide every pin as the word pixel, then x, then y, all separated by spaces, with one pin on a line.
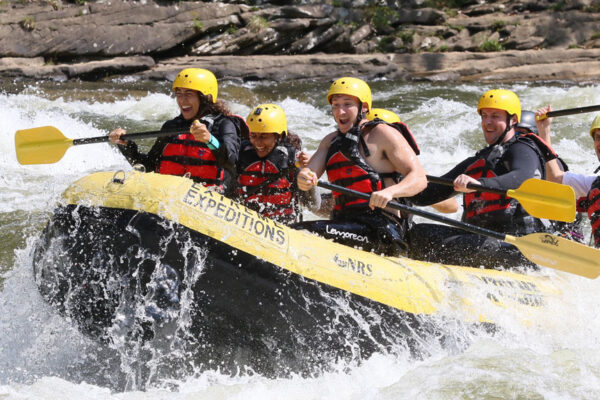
pixel 421 213
pixel 127 136
pixel 571 111
pixel 450 182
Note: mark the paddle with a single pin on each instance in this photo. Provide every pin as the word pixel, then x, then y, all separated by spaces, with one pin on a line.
pixel 47 145
pixel 541 199
pixel 541 248
pixel 568 111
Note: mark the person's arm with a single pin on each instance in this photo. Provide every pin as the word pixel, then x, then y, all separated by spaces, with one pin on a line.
pixel 404 160
pixel 309 175
pixel 523 163
pixel 311 199
pixel 447 206
pixel 435 193
pixel 150 160
pixel 581 184
pixel 229 141
pixel 554 172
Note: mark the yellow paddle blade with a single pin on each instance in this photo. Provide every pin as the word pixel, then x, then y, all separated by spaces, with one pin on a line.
pixel 545 199
pixel 559 253
pixel 43 145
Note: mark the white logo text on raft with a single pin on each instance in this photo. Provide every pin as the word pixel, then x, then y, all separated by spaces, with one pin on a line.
pixel 346 235
pixel 229 211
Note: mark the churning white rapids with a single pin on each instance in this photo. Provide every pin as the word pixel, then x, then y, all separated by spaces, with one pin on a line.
pixel 43 357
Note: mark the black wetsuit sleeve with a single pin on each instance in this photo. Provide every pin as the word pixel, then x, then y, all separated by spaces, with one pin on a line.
pixel 435 193
pixel 522 162
pixel 151 160
pixel 229 144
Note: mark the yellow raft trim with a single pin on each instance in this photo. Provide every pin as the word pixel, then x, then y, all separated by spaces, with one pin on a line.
pixel 470 294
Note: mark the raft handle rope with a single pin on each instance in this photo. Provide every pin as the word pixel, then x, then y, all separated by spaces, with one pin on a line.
pixel 117 179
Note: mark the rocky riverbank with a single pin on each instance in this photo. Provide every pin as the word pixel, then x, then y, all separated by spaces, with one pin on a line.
pixel 502 40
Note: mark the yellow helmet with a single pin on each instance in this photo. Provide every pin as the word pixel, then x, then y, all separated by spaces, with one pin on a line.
pixel 501 99
pixel 386 115
pixel 595 125
pixel 353 87
pixel 267 118
pixel 199 79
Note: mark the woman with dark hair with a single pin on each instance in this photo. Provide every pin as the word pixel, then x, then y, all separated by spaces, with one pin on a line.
pixel 206 140
pixel 268 165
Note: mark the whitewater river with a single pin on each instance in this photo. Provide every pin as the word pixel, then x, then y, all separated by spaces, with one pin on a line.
pixel 43 357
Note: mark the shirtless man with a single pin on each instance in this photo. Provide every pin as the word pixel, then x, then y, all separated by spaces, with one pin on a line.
pixel 371 158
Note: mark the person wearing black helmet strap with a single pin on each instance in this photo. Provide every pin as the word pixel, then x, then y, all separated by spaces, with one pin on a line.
pixel 366 159
pixel 506 162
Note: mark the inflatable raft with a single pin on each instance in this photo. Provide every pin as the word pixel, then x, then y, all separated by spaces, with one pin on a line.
pixel 141 254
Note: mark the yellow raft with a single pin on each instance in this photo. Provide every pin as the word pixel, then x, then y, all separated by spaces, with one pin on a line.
pixel 260 281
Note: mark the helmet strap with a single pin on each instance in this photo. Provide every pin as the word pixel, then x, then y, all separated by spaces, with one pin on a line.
pixel 508 128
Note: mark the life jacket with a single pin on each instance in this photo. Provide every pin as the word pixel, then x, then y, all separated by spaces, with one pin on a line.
pixel 267 184
pixel 483 208
pixel 184 155
pixel 347 167
pixel 591 205
pixel 400 127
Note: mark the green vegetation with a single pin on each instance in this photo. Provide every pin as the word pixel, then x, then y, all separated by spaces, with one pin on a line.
pixel 232 29
pixel 491 45
pixel 596 35
pixel 457 27
pixel 498 25
pixel 558 6
pixel 443 48
pixel 257 24
pixel 385 44
pixel 380 17
pixel 197 24
pixel 407 36
pixel 353 25
pixel 28 23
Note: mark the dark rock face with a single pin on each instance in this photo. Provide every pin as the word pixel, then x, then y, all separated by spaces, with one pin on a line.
pixel 55 39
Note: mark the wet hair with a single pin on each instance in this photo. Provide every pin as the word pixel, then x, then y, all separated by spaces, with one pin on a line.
pixel 208 107
pixel 294 140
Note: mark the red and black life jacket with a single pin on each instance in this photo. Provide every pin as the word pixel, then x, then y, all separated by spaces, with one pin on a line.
pixel 400 127
pixel 267 184
pixel 591 205
pixel 482 205
pixel 347 167
pixel 184 155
